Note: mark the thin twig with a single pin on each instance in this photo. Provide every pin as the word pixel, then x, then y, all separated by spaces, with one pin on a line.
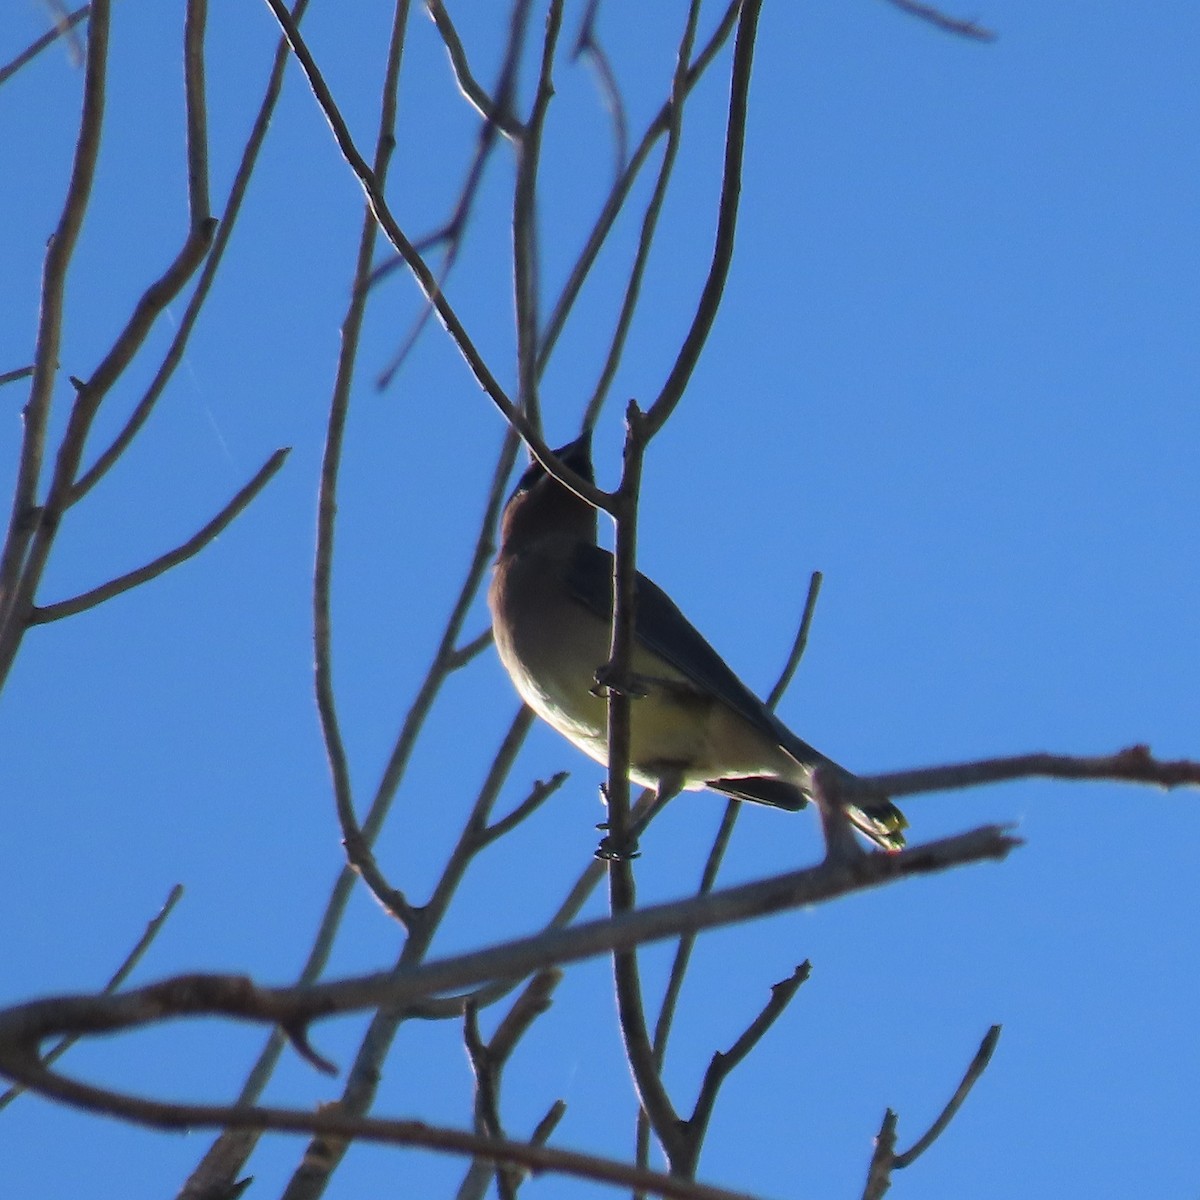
pixel 526 268
pixel 799 644
pixel 498 114
pixel 650 219
pixel 587 45
pixel 885 1160
pixel 13 376
pixel 420 269
pixel 357 844
pixel 468 651
pixel 453 231
pixel 1135 764
pixel 194 23
pixel 24 1027
pixel 62 27
pixel 24 519
pixel 935 16
pixel 118 977
pixel 978 1065
pixel 538 795
pixel 727 212
pixel 716 854
pixel 233 207
pixel 614 204
pixel 164 562
pixel 722 1064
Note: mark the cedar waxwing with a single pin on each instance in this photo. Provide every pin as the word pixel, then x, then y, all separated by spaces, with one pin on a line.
pixel 694 723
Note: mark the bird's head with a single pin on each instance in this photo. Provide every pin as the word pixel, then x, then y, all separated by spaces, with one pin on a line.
pixel 541 507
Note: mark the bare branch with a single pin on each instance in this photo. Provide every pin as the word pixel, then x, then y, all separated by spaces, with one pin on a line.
pixel 62 27
pixel 23 521
pixel 884 1160
pixel 619 845
pixel 978 1065
pixel 722 1064
pixel 615 202
pixel 331 1123
pixel 499 115
pixel 14 376
pixel 382 212
pixel 147 310
pixel 153 926
pixel 879 1172
pixel 420 270
pixel 357 843
pixel 935 16
pixel 488 1061
pixel 649 221
pixel 487 1104
pixel 524 223
pixel 454 230
pixel 475 1185
pixel 587 45
pixel 1135 764
pixel 197 111
pixel 800 644
pixel 174 355
pixel 190 548
pixel 640 1050
pixel 468 651
pixel 538 795
pixel 727 211
pixel 31 541
pixel 23 1027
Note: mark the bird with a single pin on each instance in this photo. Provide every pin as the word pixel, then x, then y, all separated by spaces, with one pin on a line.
pixel 694 724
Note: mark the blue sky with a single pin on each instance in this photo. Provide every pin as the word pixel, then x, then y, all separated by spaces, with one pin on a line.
pixel 956 370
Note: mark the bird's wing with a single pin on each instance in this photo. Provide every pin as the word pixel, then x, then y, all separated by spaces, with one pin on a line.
pixel 663 629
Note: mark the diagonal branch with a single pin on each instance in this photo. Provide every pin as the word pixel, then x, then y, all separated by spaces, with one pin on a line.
pixel 935 16
pixel 885 1160
pixel 727 213
pixel 118 977
pixel 190 548
pixel 62 27
pixel 498 114
pixel 24 1026
pixel 723 1063
pixel 1135 764
pixel 23 521
pixel 614 205
pixel 978 1065
pixel 588 45
pixel 14 376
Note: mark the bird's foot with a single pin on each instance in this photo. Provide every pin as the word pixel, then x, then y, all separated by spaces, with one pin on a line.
pixel 607 680
pixel 614 849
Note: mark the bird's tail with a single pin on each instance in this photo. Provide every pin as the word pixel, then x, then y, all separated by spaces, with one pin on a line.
pixel 878 820
pixel 874 816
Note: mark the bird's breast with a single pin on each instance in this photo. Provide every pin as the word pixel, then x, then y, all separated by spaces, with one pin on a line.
pixel 552 645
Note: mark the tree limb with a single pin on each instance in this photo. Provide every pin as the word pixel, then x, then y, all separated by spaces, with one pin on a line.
pixel 164 562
